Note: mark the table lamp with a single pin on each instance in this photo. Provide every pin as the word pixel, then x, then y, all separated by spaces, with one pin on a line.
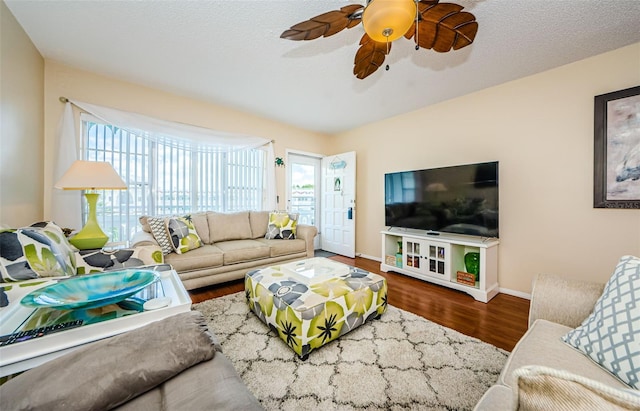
pixel 90 175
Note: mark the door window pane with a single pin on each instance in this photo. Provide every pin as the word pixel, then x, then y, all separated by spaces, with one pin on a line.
pixel 303 192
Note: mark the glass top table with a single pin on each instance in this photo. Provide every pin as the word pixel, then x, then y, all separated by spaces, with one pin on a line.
pixel 97 323
pixel 315 270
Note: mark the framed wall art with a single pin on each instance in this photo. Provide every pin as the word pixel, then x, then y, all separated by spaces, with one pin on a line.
pixel 617 149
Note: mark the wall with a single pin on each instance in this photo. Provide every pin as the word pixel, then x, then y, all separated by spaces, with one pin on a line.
pixel 540 129
pixel 75 84
pixel 21 129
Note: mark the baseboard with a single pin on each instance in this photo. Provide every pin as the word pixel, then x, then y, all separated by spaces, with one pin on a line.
pixel 369 257
pixel 515 293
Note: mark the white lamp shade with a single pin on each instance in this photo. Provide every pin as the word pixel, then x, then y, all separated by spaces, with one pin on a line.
pixel 388 20
pixel 90 175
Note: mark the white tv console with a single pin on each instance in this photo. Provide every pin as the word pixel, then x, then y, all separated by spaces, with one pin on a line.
pixel 438 258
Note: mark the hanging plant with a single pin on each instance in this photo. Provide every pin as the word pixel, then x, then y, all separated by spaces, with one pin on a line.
pixel 279 162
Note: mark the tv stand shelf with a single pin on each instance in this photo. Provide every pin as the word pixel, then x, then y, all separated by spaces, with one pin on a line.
pixel 439 259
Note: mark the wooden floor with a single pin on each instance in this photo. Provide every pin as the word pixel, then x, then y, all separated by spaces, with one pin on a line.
pixel 501 322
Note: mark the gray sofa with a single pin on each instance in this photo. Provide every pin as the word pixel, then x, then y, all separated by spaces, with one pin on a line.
pixel 233 243
pixel 171 364
pixel 545 373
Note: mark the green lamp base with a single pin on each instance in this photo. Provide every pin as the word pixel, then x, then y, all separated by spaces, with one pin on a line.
pixel 88 243
pixel 91 236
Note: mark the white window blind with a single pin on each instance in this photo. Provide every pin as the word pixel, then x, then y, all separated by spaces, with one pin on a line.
pixel 168 176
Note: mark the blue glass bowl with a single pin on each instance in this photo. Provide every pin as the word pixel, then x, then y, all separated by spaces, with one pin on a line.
pixel 90 291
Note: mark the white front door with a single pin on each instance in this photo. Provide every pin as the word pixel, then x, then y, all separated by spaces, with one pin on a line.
pixel 338 222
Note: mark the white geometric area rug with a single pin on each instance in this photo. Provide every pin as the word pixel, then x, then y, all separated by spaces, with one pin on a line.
pixel 398 362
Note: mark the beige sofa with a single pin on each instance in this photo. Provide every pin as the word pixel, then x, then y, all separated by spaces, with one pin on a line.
pixel 545 373
pixel 233 243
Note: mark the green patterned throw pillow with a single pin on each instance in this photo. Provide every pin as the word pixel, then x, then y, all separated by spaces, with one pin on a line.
pixel 610 336
pixel 282 226
pixel 93 261
pixel 38 251
pixel 183 234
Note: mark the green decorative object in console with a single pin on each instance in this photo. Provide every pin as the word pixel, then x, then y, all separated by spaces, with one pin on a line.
pixel 472 264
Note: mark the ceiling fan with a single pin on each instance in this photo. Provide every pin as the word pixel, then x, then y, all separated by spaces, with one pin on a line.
pixel 431 24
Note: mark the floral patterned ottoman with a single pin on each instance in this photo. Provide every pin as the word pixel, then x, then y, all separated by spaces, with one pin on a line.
pixel 314 301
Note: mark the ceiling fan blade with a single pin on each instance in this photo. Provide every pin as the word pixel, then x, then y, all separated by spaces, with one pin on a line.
pixel 462 26
pixel 326 24
pixel 422 6
pixel 443 26
pixel 411 31
pixel 438 11
pixel 369 56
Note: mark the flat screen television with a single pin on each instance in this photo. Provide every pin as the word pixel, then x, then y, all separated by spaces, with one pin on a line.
pixel 459 199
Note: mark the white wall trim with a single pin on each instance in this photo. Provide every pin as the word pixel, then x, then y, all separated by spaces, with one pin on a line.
pixel 515 293
pixel 302 153
pixel 369 257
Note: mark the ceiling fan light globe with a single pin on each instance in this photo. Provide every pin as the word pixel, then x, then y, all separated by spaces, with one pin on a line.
pixel 388 20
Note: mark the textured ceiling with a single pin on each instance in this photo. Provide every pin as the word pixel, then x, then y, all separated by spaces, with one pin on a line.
pixel 229 52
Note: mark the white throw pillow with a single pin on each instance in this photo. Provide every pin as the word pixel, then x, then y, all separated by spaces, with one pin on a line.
pixel 610 336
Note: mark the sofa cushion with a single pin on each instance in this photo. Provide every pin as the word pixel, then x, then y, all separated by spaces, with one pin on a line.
pixel 183 234
pixel 41 250
pixel 210 385
pixel 201 225
pixel 207 256
pixel 226 389
pixel 610 336
pixel 551 291
pixel 498 397
pixel 259 221
pixel 228 226
pixel 279 247
pixel 144 223
pixel 240 251
pixel 542 345
pixel 549 389
pixel 159 230
pixel 127 365
pixel 282 225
